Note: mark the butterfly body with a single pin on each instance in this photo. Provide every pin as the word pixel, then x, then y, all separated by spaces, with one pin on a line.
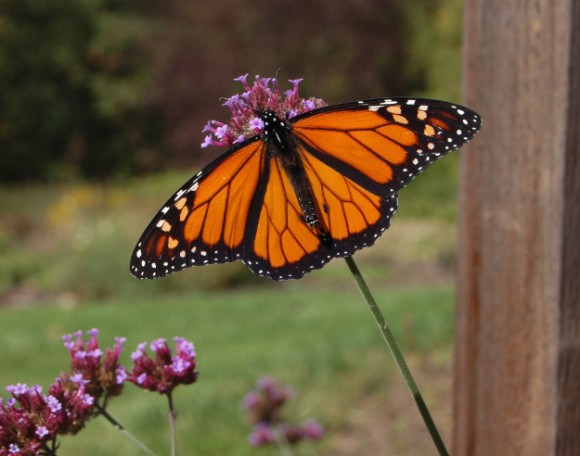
pixel 317 186
pixel 282 145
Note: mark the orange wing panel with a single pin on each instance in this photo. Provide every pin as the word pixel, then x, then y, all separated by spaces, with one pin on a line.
pixel 282 237
pixel 221 202
pixel 344 120
pixel 194 223
pixel 214 220
pixel 361 138
pixel 389 150
pixel 400 134
pixel 352 151
pixel 240 197
pixel 344 207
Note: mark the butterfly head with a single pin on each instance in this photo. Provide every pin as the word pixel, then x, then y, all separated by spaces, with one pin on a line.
pixel 272 124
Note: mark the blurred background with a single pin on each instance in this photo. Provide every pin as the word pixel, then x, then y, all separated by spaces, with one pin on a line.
pixel 102 103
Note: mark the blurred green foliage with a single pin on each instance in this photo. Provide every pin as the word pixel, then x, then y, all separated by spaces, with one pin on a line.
pixel 103 88
pixel 72 78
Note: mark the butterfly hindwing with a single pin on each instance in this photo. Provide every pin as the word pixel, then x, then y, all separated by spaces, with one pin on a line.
pixel 283 244
pixel 352 214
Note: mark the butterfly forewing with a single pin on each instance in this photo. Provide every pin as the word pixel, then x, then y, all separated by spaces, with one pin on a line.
pixel 205 220
pixel 283 244
pixel 385 142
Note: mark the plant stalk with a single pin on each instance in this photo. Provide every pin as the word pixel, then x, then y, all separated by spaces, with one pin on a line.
pixel 399 359
pixel 172 426
pixel 124 431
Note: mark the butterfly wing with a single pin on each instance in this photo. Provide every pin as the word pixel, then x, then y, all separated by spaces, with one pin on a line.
pixel 282 241
pixel 286 247
pixel 356 157
pixel 205 221
pixel 384 143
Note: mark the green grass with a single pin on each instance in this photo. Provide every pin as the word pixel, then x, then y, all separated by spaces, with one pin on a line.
pixel 322 342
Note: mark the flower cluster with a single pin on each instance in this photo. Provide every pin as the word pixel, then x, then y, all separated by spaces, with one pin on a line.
pixel 165 372
pixel 264 410
pixel 31 421
pixel 246 109
pixel 101 376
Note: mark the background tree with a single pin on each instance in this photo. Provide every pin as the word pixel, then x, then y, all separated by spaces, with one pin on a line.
pixel 71 79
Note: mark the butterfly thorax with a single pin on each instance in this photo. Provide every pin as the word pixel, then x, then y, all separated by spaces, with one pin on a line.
pixel 282 146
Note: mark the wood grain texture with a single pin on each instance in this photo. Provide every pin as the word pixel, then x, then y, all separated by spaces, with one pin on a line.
pixel 517 374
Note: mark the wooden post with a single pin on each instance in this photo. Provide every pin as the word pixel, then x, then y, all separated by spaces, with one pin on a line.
pixel 517 370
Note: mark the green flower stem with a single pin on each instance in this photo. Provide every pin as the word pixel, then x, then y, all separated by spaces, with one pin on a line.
pixel 124 431
pixel 399 359
pixel 283 445
pixel 172 425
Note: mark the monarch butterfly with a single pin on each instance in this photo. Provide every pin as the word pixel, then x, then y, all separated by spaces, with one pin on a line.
pixel 306 189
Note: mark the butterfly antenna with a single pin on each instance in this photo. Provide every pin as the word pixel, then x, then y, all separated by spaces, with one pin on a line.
pixel 275 89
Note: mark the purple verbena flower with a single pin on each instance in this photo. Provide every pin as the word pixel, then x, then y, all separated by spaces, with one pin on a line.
pixel 313 430
pixel 246 109
pixel 70 406
pixel 166 371
pixel 31 421
pixel 292 433
pixel 264 403
pixel 100 372
pixel 262 434
pixel 121 375
pixel 78 378
pixel 158 344
pixel 28 420
pixel 41 432
pixel 18 389
pixel 53 404
pixel 264 410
